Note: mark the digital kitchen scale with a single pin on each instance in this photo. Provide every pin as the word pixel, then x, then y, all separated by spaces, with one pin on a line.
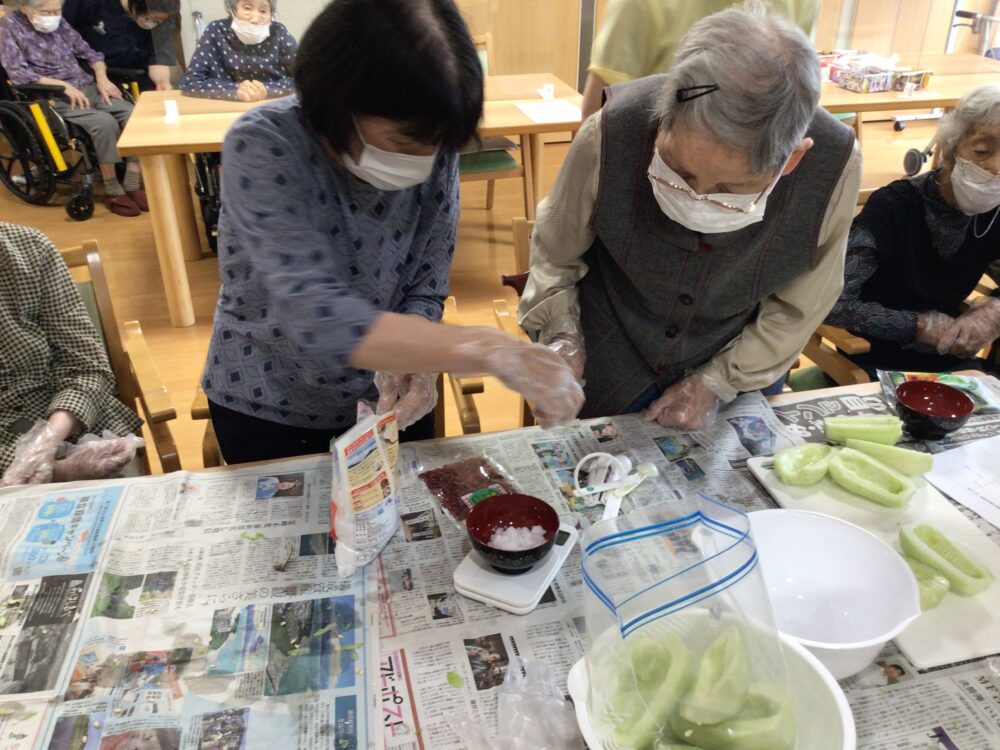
pixel 520 594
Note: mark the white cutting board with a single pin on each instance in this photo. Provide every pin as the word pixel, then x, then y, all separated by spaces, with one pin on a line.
pixel 959 628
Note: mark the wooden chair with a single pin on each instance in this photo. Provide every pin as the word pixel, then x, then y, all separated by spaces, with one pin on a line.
pixel 462 389
pixel 135 373
pixel 491 159
pixel 506 320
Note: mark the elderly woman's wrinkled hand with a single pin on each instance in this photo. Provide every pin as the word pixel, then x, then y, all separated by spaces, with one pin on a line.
pixel 977 327
pixel 251 91
pixel 689 404
pixel 936 332
pixel 413 396
pixel 107 90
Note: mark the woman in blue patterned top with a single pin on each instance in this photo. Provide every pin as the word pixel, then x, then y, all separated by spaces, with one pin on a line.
pixel 247 57
pixel 336 235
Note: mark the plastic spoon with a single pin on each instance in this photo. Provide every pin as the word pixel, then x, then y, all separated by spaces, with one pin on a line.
pixel 613 505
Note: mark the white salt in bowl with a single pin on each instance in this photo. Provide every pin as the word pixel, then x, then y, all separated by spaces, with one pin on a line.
pixel 835 588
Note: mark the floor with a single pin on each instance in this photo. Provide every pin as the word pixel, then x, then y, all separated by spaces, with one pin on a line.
pixel 483 254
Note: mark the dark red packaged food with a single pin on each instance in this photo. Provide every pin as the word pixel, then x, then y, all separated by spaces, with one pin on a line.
pixel 459 486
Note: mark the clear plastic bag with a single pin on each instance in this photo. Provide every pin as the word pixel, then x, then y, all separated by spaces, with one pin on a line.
pixel 682 649
pixel 532 713
pixel 364 505
pixel 464 480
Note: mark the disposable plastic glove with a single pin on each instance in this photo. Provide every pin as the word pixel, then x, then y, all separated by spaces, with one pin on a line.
pixel 571 348
pixel 96 458
pixel 688 403
pixel 533 370
pixel 935 332
pixel 977 327
pixel 413 396
pixel 34 456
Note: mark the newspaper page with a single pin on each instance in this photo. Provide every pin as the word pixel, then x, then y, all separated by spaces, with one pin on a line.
pixel 22 724
pixel 194 610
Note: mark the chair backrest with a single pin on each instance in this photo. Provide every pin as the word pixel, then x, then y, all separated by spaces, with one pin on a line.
pixel 522 229
pixel 484 46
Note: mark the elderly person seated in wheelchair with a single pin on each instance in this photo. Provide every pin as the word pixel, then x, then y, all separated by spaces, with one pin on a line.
pixel 693 253
pixel 247 57
pixel 920 246
pixel 56 382
pixel 38 46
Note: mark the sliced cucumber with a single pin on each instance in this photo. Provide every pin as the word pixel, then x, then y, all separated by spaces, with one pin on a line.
pixel 933 586
pixel 660 671
pixel 802 465
pixel 926 544
pixel 882 428
pixel 902 460
pixel 862 475
pixel 766 722
pixel 721 684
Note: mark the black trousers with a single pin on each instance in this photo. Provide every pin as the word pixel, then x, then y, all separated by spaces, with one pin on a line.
pixel 244 439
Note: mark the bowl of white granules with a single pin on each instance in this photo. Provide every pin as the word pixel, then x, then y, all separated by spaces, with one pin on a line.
pixel 513 532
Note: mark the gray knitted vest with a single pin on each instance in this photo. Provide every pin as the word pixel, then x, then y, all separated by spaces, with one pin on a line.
pixel 659 299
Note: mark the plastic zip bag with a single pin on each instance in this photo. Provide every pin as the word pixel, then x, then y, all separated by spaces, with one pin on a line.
pixel 682 648
pixel 464 480
pixel 364 506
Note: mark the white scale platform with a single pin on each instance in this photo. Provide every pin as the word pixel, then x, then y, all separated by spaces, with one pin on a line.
pixel 520 594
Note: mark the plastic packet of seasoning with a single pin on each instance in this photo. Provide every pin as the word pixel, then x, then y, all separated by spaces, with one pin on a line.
pixel 364 506
pixel 465 480
pixel 985 401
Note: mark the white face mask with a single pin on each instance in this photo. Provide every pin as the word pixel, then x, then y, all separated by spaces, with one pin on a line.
pixel 387 170
pixel 46 24
pixel 699 213
pixel 976 190
pixel 251 33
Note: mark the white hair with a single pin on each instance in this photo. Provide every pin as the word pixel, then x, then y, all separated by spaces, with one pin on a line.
pixel 29 4
pixel 978 108
pixel 768 80
pixel 231 5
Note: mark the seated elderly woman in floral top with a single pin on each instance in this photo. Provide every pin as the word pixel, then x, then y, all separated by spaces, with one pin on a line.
pixel 38 46
pixel 920 246
pixel 55 380
pixel 247 57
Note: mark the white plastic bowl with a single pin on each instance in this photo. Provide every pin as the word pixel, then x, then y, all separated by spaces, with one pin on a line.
pixel 837 589
pixel 825 721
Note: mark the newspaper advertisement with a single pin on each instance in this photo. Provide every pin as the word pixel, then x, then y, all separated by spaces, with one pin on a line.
pixel 22 724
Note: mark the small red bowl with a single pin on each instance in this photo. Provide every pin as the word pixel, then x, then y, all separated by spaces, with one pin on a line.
pixel 930 410
pixel 518 511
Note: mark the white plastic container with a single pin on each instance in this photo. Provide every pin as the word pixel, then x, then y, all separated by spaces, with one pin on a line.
pixel 825 721
pixel 837 589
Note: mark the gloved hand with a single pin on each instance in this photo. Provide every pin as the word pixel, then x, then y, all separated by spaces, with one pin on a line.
pixel 97 458
pixel 688 403
pixel 571 348
pixel 34 456
pixel 413 396
pixel 935 332
pixel 533 370
pixel 977 327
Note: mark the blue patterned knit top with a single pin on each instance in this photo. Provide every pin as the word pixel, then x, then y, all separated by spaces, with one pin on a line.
pixel 309 256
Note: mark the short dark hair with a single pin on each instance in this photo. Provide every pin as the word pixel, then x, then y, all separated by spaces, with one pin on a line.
pixel 142 7
pixel 407 60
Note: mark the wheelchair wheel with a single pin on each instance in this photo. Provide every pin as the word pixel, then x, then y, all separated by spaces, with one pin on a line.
pixel 81 206
pixel 913 161
pixel 24 168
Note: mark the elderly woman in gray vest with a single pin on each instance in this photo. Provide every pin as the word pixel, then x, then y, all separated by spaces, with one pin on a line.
pixel 695 236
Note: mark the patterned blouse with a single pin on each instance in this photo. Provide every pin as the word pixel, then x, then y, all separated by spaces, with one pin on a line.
pixel 27 54
pixel 51 357
pixel 221 61
pixel 309 257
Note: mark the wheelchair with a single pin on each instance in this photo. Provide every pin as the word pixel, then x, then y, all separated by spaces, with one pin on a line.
pixel 39 150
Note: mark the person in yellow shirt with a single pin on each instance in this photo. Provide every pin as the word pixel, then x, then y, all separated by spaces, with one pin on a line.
pixel 637 38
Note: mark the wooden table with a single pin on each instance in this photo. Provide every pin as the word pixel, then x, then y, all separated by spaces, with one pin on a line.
pixel 163 149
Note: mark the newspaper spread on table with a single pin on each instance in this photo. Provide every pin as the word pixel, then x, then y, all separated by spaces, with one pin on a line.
pixel 187 636
pixel 194 610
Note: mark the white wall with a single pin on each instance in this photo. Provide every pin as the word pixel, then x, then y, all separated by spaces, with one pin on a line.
pixel 295 14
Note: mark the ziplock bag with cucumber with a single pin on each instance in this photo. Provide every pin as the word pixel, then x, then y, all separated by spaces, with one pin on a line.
pixel 682 650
